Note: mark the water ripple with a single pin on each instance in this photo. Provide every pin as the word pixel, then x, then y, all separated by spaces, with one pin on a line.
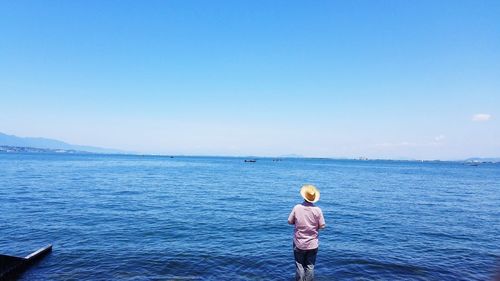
pixel 188 218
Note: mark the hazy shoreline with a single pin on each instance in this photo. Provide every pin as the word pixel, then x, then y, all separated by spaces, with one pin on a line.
pixel 34 150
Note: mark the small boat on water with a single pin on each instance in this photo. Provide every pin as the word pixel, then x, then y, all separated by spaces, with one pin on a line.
pixel 250 160
pixel 12 267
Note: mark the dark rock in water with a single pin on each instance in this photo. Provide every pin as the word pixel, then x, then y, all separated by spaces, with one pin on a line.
pixel 9 264
pixel 11 267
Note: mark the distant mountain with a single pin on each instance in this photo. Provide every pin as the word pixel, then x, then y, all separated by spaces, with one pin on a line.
pixel 25 149
pixel 479 159
pixel 44 143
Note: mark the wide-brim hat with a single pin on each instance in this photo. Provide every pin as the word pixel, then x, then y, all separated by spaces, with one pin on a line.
pixel 310 193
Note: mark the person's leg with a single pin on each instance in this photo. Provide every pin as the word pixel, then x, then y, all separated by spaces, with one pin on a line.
pixel 299 263
pixel 309 262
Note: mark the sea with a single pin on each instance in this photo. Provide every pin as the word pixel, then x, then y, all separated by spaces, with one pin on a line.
pixel 133 217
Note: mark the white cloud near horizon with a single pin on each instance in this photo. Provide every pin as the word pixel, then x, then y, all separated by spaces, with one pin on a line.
pixel 436 141
pixel 406 144
pixel 481 117
pixel 439 138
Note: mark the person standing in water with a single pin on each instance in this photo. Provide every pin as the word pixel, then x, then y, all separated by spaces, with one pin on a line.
pixel 308 220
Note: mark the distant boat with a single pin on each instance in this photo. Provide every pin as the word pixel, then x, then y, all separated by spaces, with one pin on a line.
pixel 250 160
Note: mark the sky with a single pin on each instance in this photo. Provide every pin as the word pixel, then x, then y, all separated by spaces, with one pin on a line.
pixel 342 79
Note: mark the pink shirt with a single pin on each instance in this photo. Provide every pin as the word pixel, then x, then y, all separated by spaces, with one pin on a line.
pixel 307 219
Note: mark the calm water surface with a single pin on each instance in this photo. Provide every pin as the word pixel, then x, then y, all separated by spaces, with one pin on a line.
pixel 204 218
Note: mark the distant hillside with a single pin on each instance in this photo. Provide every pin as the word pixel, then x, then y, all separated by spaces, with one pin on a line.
pixel 478 159
pixel 24 149
pixel 44 143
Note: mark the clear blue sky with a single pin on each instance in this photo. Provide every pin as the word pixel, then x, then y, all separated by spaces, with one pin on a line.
pixel 386 79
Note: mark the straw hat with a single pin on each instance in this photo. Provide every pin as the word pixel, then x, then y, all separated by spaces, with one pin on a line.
pixel 310 193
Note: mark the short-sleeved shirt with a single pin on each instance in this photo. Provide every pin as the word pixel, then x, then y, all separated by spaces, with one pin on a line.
pixel 307 219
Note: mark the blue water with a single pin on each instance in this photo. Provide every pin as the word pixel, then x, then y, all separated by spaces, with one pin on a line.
pixel 207 218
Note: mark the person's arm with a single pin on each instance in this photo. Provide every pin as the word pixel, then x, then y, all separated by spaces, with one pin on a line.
pixel 291 217
pixel 321 221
